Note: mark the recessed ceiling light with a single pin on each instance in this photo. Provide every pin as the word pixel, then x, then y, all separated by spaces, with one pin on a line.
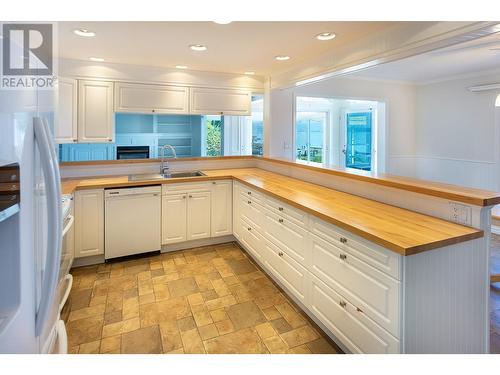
pixel 249 73
pixel 282 58
pixel 326 36
pixel 181 66
pixel 84 32
pixel 198 47
pixel 222 22
pixel 97 59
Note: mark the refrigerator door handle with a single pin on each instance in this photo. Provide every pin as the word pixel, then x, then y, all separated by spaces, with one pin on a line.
pixel 50 167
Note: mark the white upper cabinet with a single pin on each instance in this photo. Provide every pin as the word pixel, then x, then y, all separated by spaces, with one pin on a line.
pixel 139 98
pixel 95 111
pixel 65 129
pixel 210 101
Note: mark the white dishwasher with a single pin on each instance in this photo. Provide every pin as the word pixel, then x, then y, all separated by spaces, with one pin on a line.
pixel 132 221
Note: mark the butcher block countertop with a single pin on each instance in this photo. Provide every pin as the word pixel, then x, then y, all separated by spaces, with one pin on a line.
pixel 402 231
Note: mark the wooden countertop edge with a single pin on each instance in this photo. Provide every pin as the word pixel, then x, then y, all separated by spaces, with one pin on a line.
pixel 405 251
pixel 471 196
pixel 490 198
pixel 379 241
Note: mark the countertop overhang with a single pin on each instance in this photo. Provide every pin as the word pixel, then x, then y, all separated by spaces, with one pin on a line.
pixel 402 231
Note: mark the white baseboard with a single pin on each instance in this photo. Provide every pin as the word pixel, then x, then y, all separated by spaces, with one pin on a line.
pixel 88 261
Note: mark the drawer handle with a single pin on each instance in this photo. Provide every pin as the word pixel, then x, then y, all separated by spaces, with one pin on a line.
pixel 280 208
pixel 249 202
pixel 343 239
pixel 359 310
pixel 249 228
pixel 190 196
pixel 280 254
pixel 249 193
pixel 183 197
pixel 343 256
pixel 280 220
pixel 343 304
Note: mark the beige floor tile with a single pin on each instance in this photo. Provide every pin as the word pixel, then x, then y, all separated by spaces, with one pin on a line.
pixel 84 330
pixel 203 282
pixel 164 279
pixel 144 275
pixel 98 300
pixel 145 341
pixel 224 327
pixel 130 293
pixel 163 311
pixel 321 346
pixel 209 295
pixel 245 315
pixel 161 292
pixel 113 317
pixel 87 312
pixel 231 280
pixel 176 351
pixel 272 300
pixel 290 315
pixel 111 344
pixel 241 266
pixel 146 298
pixel 209 331
pixel 220 287
pixel 281 325
pixel 73 349
pixel 81 298
pixel 201 315
pixel 130 308
pixel 90 347
pixel 186 324
pixel 121 327
pixel 301 349
pixel 245 341
pixel 218 315
pixel 299 336
pixel 275 345
pixel 191 342
pixel 170 336
pixel 182 287
pixel 265 330
pixel 157 273
pixel 195 299
pixel 271 313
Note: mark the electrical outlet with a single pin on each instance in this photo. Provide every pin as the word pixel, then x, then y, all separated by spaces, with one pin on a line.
pixel 461 214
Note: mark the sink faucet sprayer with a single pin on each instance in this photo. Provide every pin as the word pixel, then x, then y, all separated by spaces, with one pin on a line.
pixel 164 168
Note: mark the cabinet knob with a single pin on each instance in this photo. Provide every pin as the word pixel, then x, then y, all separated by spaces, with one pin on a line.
pixel 152 110
pixel 343 239
pixel 249 193
pixel 343 256
pixel 343 304
pixel 183 197
pixel 280 208
pixel 249 202
pixel 280 220
pixel 190 196
pixel 213 183
pixel 249 228
pixel 280 254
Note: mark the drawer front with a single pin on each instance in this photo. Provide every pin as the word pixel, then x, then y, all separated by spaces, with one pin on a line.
pixel 288 236
pixel 356 331
pixel 184 187
pixel 376 256
pixel 291 213
pixel 291 274
pixel 252 211
pixel 252 240
pixel 247 192
pixel 373 291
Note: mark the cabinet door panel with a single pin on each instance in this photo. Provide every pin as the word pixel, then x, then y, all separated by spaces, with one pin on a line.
pixel 65 129
pixel 376 293
pixel 89 223
pixel 252 240
pixel 206 101
pixel 356 331
pixel 198 215
pixel 95 111
pixel 222 210
pixel 139 98
pixel 174 220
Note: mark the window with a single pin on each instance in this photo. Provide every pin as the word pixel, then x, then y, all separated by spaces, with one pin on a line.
pixel 310 136
pixel 257 125
pixel 213 130
pixel 338 132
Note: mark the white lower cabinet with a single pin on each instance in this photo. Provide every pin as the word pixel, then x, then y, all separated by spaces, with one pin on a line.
pixel 198 215
pixel 174 218
pixel 222 208
pixel 348 323
pixel 89 222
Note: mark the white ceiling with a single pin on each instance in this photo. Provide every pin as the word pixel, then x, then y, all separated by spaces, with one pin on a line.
pixel 472 57
pixel 233 48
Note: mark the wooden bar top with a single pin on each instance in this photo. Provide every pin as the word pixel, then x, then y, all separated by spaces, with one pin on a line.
pixel 400 230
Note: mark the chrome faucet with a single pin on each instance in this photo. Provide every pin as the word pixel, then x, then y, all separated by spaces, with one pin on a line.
pixel 164 168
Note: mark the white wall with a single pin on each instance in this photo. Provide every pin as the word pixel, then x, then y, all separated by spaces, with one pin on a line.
pixel 457 135
pixel 399 99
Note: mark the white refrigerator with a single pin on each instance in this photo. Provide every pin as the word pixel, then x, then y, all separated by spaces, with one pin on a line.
pixel 30 225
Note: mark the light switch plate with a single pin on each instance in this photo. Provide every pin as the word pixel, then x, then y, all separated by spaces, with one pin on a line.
pixel 460 213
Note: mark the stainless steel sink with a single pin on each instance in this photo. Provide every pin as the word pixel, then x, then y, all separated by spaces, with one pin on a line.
pixel 158 176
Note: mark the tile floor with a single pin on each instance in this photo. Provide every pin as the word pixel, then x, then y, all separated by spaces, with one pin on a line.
pixel 204 300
